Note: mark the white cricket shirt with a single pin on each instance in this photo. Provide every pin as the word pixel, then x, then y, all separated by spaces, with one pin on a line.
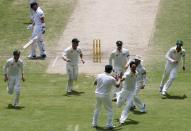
pixel 130 81
pixel 104 84
pixel 72 55
pixel 38 14
pixel 172 55
pixel 119 58
pixel 13 68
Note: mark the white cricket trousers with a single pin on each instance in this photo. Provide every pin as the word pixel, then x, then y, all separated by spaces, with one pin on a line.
pixel 170 71
pixel 37 31
pixel 14 85
pixel 137 101
pixel 129 99
pixel 107 102
pixel 72 72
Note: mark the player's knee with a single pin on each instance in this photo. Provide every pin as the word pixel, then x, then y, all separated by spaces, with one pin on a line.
pixel 17 93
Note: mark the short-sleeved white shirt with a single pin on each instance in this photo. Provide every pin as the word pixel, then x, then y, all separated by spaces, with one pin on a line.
pixel 130 81
pixel 72 55
pixel 119 58
pixel 13 68
pixel 38 14
pixel 104 84
pixel 172 54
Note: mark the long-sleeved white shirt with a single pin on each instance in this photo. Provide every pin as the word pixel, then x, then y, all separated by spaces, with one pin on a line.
pixel 119 59
pixel 72 55
pixel 13 68
pixel 172 55
pixel 105 82
pixel 130 81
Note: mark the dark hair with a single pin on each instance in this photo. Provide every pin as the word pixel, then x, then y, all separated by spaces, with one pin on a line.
pixel 108 68
pixel 75 40
pixel 16 52
pixel 34 3
pixel 131 63
pixel 119 43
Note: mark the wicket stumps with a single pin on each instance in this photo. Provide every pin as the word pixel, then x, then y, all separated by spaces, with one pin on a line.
pixel 97 50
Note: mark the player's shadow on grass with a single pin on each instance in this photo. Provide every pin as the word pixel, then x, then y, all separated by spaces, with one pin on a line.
pixel 175 97
pixel 15 108
pixel 37 58
pixel 104 129
pixel 75 93
pixel 128 122
pixel 138 112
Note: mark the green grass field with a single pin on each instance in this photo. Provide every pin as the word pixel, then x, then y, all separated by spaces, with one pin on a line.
pixel 47 108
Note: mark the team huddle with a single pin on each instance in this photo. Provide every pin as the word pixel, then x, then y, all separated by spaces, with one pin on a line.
pixel 122 80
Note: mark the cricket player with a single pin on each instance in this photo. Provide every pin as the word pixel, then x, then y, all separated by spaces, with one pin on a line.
pixel 104 83
pixel 140 83
pixel 173 56
pixel 71 56
pixel 38 30
pixel 118 60
pixel 128 91
pixel 13 73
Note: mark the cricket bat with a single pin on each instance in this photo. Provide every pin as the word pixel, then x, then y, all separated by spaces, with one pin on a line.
pixel 29 42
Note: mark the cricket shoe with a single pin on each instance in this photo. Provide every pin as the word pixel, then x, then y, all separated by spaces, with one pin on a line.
pixel 31 56
pixel 43 56
pixel 163 93
pixel 110 127
pixel 132 108
pixel 143 109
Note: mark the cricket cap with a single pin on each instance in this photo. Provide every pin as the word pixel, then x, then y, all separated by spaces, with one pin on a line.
pixel 179 43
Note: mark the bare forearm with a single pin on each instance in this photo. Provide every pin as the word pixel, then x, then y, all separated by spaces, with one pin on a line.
pixel 64 58
pixel 81 56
